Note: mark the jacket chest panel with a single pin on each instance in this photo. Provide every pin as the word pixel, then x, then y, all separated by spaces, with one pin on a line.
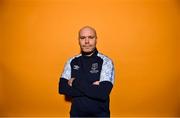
pixel 87 69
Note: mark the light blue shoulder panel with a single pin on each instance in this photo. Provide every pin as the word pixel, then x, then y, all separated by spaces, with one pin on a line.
pixel 67 69
pixel 107 71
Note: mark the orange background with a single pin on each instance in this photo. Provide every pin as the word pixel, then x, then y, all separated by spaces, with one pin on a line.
pixel 141 36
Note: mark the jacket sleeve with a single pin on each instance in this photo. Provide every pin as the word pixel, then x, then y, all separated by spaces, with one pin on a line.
pixel 67 90
pixel 64 88
pixel 102 90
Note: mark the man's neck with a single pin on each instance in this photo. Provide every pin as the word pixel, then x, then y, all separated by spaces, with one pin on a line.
pixel 88 53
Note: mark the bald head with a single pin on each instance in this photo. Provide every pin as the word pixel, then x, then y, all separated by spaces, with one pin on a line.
pixel 88 28
pixel 87 39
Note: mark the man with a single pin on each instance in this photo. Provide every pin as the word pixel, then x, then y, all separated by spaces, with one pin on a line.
pixel 88 78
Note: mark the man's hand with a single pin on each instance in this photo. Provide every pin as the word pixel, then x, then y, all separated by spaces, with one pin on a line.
pixel 96 83
pixel 70 82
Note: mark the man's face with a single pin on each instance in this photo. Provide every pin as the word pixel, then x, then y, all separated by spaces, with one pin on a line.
pixel 87 40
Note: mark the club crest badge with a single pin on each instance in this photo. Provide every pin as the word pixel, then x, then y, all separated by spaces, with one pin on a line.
pixel 94 68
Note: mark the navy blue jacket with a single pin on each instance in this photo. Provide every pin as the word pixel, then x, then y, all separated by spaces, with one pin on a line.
pixel 86 97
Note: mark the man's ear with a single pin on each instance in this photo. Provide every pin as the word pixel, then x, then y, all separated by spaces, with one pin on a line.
pixel 96 41
pixel 78 41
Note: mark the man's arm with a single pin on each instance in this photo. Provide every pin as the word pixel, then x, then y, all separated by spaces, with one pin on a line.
pixel 64 87
pixel 104 88
pixel 100 91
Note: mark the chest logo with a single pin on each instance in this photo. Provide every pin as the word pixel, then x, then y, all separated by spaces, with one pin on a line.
pixel 94 68
pixel 76 67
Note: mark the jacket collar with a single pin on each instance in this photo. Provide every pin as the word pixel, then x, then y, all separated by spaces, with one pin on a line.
pixel 95 51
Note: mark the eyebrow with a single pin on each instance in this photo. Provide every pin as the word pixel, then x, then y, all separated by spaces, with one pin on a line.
pixel 87 36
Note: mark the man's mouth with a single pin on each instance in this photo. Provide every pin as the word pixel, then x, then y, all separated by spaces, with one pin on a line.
pixel 86 46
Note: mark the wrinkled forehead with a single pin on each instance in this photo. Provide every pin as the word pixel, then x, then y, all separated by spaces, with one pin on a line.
pixel 87 32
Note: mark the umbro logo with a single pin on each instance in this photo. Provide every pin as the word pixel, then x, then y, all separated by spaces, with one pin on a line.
pixel 76 67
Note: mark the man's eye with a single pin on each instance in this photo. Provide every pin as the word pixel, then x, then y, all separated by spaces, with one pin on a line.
pixel 91 37
pixel 82 37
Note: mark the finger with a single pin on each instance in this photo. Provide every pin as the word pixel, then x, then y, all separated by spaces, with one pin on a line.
pixel 96 83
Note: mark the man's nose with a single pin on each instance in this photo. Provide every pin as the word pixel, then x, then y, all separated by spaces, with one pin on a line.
pixel 87 40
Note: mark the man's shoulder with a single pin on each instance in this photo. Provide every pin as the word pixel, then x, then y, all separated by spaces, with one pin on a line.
pixel 104 57
pixel 73 58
